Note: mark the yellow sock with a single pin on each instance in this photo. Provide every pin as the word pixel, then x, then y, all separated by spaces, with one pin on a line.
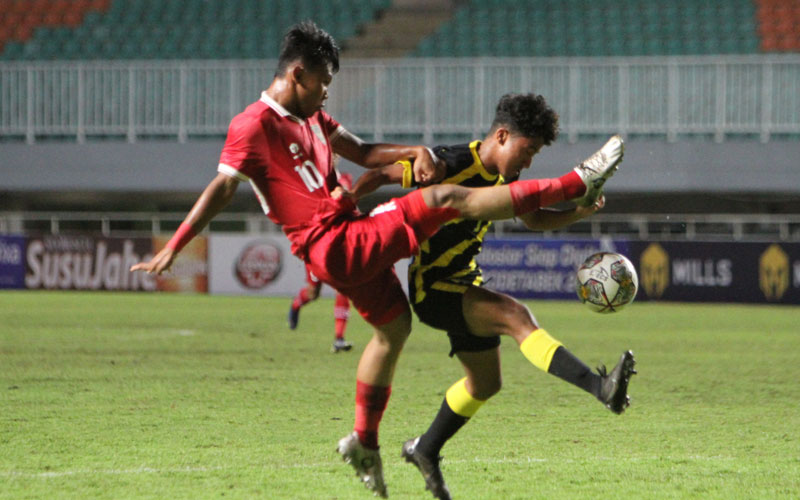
pixel 539 348
pixel 461 401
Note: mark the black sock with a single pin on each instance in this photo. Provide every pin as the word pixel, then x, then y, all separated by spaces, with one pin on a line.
pixel 443 427
pixel 567 367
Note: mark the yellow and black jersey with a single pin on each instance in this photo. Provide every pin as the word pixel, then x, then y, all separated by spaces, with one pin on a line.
pixel 446 261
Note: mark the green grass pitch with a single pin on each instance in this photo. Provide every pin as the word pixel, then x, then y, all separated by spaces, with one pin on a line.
pixel 116 396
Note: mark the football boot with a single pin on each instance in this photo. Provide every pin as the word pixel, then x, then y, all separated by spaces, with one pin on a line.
pixel 434 482
pixel 595 170
pixel 614 385
pixel 293 318
pixel 341 345
pixel 365 461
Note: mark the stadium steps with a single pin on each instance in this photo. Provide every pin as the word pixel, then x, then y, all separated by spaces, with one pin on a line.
pixel 398 31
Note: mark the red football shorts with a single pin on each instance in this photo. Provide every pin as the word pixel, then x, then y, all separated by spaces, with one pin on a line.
pixel 356 255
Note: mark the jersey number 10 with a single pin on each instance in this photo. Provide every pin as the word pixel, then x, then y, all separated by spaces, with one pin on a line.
pixel 310 175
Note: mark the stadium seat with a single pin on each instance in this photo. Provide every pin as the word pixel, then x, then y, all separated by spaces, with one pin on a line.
pixel 478 27
pixel 106 20
pixel 643 27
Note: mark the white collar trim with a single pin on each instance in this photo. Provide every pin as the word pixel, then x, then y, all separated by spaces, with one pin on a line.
pixel 272 103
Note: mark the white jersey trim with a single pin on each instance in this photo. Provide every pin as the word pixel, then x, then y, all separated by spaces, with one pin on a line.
pixel 262 199
pixel 228 170
pixel 232 172
pixel 272 103
pixel 336 133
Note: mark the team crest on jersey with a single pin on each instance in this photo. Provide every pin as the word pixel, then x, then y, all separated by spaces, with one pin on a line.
pixel 295 149
pixel 318 132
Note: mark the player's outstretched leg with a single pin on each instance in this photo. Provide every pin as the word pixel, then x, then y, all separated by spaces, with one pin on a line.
pixel 365 461
pixel 429 467
pixel 614 385
pixel 443 202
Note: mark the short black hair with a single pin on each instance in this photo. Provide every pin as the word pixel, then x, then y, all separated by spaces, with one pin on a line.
pixel 314 46
pixel 527 115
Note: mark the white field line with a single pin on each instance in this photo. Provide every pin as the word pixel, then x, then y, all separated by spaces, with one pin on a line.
pixel 479 460
pixel 109 472
pixel 143 332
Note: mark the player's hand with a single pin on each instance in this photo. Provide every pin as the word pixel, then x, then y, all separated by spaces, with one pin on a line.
pixel 158 264
pixel 340 192
pixel 582 211
pixel 427 168
pixel 344 198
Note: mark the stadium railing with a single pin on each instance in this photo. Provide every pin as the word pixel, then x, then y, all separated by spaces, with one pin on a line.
pixel 700 227
pixel 715 97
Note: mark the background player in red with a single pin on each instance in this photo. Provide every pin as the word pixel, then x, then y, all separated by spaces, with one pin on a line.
pixel 310 292
pixel 283 144
pixel 341 311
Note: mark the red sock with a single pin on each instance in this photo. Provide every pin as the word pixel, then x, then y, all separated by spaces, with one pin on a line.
pixel 301 299
pixel 341 313
pixel 530 195
pixel 371 401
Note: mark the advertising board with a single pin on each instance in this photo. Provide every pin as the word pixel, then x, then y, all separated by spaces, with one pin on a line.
pixel 12 262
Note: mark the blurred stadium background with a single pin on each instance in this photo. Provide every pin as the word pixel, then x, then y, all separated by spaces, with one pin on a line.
pixel 113 112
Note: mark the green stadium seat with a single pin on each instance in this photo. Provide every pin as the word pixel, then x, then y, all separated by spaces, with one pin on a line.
pixel 12 51
pixel 191 28
pixel 110 49
pixel 651 47
pixel 32 50
pixel 672 47
pixel 169 48
pixel 91 46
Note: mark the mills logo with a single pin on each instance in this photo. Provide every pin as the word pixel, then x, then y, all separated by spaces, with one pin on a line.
pixel 773 272
pixel 654 268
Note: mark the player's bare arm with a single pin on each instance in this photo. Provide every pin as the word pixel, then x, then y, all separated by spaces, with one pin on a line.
pixel 371 155
pixel 214 198
pixel 548 219
pixel 375 178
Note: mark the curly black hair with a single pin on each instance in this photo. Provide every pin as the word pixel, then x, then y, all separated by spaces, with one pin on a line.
pixel 311 44
pixel 527 115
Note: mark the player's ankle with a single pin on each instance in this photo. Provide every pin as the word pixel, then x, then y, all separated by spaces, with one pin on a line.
pixel 573 185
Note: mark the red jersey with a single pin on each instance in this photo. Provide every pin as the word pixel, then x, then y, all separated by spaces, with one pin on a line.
pixel 288 162
pixel 345 180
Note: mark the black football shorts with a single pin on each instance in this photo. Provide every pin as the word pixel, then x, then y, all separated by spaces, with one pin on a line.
pixel 443 310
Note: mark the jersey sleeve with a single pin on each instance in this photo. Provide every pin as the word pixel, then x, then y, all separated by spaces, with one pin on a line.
pixel 243 148
pixel 333 128
pixel 453 160
pixel 408 180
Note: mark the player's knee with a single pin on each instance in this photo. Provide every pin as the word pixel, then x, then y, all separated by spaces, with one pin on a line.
pixel 395 333
pixel 518 319
pixel 443 195
pixel 313 293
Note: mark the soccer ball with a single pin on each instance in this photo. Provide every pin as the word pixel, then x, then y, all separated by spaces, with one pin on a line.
pixel 607 282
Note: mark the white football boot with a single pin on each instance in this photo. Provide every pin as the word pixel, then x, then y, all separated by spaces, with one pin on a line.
pixel 595 170
pixel 366 462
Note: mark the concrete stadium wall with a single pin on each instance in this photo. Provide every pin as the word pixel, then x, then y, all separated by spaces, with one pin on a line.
pixel 653 166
